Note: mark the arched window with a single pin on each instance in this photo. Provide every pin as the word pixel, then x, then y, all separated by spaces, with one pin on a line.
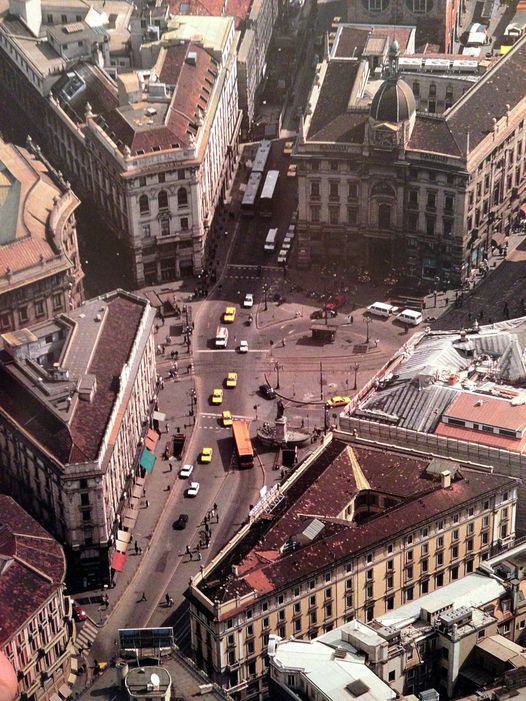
pixel 182 197
pixel 162 199
pixel 144 204
pixel 384 216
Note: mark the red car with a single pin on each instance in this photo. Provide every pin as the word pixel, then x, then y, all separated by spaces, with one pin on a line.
pixel 336 302
pixel 78 613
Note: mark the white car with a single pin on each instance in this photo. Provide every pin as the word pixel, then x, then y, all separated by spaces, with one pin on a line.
pixel 286 245
pixel 193 489
pixel 282 256
pixel 248 302
pixel 186 471
pixel 243 346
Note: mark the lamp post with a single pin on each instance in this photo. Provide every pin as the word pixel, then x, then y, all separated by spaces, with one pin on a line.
pixel 265 290
pixel 277 368
pixel 356 368
pixel 367 321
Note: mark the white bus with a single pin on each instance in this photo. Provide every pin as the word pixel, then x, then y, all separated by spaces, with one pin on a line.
pixel 263 152
pixel 270 241
pixel 266 199
pixel 221 337
pixel 248 203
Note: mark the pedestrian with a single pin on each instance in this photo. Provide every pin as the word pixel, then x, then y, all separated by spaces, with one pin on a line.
pixel 167 598
pixel 168 340
pixel 162 383
pixel 351 319
pixel 215 507
pixel 170 467
pixel 146 503
pixel 176 355
pixel 161 317
pixel 302 423
pixel 167 427
pixel 188 550
pixel 199 556
pixel 159 349
pixel 143 597
pixel 205 520
pixel 136 548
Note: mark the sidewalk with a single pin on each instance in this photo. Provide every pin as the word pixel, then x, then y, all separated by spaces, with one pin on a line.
pixel 174 400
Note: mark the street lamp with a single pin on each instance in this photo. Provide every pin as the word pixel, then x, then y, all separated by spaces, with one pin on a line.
pixel 367 321
pixel 356 368
pixel 265 290
pixel 277 368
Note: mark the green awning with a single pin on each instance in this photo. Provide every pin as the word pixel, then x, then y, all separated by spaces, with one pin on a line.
pixel 147 460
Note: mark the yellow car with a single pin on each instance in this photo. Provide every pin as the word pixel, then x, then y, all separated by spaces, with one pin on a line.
pixel 206 455
pixel 227 418
pixel 217 396
pixel 230 314
pixel 338 401
pixel 292 171
pixel 287 147
pixel 231 380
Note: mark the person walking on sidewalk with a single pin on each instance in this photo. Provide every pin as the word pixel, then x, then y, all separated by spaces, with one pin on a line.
pixel 167 427
pixel 143 597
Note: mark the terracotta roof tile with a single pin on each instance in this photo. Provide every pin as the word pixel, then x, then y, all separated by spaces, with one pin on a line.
pixel 36 567
pixel 238 9
pixel 325 490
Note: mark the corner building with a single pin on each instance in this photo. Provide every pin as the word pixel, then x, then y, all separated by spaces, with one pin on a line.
pixel 36 626
pixel 76 395
pixel 384 186
pixel 40 272
pixel 355 532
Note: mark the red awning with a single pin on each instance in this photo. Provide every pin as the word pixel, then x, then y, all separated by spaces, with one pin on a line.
pixel 151 440
pixel 522 210
pixel 117 561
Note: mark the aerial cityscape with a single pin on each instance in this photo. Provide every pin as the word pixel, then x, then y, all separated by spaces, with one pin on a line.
pixel 262 350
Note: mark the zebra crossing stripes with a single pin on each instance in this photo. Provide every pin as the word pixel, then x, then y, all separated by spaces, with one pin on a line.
pixel 86 634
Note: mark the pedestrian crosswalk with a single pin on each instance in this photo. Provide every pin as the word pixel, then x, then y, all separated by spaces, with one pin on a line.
pixel 87 631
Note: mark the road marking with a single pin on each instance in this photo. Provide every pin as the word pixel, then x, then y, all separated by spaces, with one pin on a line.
pixel 219 416
pixel 254 267
pixel 231 350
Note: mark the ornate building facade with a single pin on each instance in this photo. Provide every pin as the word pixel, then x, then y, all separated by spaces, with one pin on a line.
pixel 40 271
pixel 393 188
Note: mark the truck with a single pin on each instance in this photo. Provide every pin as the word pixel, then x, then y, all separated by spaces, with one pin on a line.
pixel 178 442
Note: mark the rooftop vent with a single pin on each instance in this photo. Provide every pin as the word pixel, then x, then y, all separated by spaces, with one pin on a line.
pixel 150 111
pixel 340 652
pixel 191 59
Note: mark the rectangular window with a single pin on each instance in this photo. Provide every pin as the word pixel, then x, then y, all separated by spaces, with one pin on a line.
pixel 424 564
pixel 146 231
pixel 431 200
pixel 314 214
pixel 328 593
pixel 334 190
pixel 389 603
pixel 39 309
pixel 334 215
pixel 430 226
pixel 315 190
pixel 352 215
pixel 328 610
pixel 22 313
pixel 353 191
pixel 165 226
pixel 370 574
pixel 184 223
pixel 390 565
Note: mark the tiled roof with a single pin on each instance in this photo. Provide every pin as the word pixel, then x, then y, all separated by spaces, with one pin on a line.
pixel 432 134
pixel 331 120
pixel 32 567
pixel 193 85
pixel 24 211
pixel 79 440
pixel 501 413
pixel 238 9
pixel 353 39
pixel 325 491
pixel 502 85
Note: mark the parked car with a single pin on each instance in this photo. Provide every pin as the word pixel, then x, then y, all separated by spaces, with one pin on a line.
pixel 292 171
pixel 186 471
pixel 180 522
pixel 287 147
pixel 267 391
pixel 248 302
pixel 193 489
pixel 78 612
pixel 243 346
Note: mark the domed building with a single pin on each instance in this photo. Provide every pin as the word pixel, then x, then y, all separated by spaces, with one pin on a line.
pixel 393 108
pixel 401 192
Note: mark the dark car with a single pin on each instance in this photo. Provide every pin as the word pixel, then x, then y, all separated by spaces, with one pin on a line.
pixel 180 523
pixel 267 391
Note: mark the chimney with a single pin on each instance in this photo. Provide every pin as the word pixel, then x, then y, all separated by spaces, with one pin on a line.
pixel 445 478
pixel 191 58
